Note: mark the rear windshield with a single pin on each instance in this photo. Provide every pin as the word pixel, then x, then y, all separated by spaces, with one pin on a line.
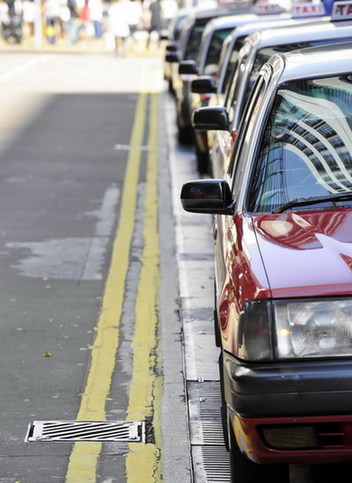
pixel 306 147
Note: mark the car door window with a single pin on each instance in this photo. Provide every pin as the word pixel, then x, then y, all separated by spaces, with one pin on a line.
pixel 238 161
pixel 232 63
pixel 212 59
pixel 306 147
pixel 194 40
pixel 231 94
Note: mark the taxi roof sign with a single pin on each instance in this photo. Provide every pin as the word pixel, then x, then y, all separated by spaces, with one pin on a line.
pixel 308 9
pixel 235 4
pixel 341 11
pixel 266 8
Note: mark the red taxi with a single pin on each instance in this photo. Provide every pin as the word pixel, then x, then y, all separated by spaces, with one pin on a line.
pixel 283 278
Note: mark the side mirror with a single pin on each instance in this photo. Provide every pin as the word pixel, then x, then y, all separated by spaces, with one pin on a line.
pixel 204 85
pixel 172 57
pixel 171 47
pixel 212 196
pixel 211 119
pixel 187 67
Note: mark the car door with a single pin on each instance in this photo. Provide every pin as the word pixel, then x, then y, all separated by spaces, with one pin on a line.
pixel 235 247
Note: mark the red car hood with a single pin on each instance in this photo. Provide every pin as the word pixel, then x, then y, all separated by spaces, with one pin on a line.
pixel 306 253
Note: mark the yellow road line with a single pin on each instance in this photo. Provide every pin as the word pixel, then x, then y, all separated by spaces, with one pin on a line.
pixel 143 462
pixel 84 456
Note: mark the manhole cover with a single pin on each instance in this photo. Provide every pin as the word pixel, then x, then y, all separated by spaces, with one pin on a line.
pixel 65 431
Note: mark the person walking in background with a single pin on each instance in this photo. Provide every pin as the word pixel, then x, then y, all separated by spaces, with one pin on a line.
pixel 29 10
pixel 118 24
pixel 135 12
pixel 73 23
pixel 96 9
pixel 53 27
pixel 169 11
pixel 156 20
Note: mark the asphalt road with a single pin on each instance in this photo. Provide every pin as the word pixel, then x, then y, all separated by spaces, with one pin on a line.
pixel 84 286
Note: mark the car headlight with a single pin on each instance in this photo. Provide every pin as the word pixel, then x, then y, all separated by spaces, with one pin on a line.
pixel 295 329
pixel 313 328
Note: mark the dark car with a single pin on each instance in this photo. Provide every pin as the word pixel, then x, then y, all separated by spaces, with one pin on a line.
pixel 188 48
pixel 283 278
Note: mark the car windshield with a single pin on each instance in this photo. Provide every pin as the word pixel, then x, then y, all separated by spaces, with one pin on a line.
pixel 306 147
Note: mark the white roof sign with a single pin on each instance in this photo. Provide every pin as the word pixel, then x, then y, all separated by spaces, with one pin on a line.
pixel 235 4
pixel 341 11
pixel 306 9
pixel 266 8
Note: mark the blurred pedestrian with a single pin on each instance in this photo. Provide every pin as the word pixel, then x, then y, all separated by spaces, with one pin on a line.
pixel 96 9
pixel 74 22
pixel 135 13
pixel 156 20
pixel 29 10
pixel 169 11
pixel 87 27
pixel 118 14
pixel 53 27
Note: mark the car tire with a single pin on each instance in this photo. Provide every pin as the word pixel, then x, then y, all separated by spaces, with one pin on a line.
pixel 223 409
pixel 217 332
pixel 203 161
pixel 170 88
pixel 184 134
pixel 326 473
pixel 244 470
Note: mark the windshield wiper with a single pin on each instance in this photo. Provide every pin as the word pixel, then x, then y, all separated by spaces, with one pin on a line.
pixel 313 201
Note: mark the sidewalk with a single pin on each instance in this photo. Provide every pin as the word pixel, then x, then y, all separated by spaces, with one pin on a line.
pixel 84 45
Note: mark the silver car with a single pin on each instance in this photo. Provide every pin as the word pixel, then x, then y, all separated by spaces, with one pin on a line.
pixel 214 70
pixel 259 47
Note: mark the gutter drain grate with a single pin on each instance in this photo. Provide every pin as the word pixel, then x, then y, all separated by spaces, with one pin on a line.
pixel 66 431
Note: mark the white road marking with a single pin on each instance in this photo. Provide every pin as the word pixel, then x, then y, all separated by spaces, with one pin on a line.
pixel 22 68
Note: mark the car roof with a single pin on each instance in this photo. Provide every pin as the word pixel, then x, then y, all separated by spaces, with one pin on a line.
pixel 229 21
pixel 313 62
pixel 205 16
pixel 214 12
pixel 293 33
pixel 289 21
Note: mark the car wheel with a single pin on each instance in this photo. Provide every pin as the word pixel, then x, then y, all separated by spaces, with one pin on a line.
pixel 217 332
pixel 170 87
pixel 326 473
pixel 184 134
pixel 223 409
pixel 203 161
pixel 244 470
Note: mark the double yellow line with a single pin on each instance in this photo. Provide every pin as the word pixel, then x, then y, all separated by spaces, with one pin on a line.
pixel 143 461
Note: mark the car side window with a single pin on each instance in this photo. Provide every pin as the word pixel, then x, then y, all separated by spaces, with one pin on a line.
pixel 306 147
pixel 194 41
pixel 230 100
pixel 212 59
pixel 234 169
pixel 232 64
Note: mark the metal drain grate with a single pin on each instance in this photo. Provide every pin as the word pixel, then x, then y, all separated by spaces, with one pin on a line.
pixel 66 431
pixel 211 464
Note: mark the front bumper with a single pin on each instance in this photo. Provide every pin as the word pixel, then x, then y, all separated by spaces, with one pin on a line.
pixel 314 396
